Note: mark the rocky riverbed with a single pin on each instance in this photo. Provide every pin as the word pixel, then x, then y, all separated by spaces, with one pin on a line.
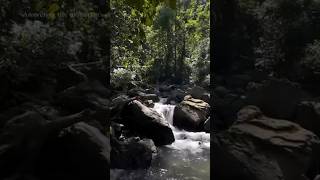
pixel 188 157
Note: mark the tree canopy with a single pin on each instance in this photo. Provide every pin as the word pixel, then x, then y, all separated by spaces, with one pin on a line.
pixel 158 41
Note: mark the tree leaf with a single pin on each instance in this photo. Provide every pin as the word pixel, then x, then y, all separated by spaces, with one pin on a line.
pixel 53 8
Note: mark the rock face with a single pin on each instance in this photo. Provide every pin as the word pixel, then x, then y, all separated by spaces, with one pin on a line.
pixel 257 147
pixel 132 153
pixel 147 122
pixel 191 114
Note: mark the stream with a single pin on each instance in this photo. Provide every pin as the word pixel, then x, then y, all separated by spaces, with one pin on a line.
pixel 188 157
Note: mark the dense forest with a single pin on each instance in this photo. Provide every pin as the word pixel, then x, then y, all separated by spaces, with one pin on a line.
pixel 156 43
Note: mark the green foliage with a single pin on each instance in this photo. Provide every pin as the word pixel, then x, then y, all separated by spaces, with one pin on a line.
pixel 165 18
pixel 120 78
pixel 168 49
pixel 201 62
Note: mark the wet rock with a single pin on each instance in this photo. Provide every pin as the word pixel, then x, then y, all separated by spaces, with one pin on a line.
pixel 191 114
pixel 257 147
pixel 147 122
pixel 117 105
pixel 132 153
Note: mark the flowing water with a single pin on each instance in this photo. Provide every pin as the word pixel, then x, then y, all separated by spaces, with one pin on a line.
pixel 186 158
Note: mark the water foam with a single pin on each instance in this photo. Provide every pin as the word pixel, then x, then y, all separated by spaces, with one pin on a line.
pixel 194 142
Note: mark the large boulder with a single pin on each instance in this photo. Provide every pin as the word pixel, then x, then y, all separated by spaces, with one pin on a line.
pixel 80 152
pixel 23 138
pixel 147 122
pixel 191 114
pixel 257 147
pixel 277 98
pixel 132 153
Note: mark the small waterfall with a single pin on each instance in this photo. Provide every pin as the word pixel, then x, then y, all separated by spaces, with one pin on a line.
pixel 166 110
pixel 186 158
pixel 194 142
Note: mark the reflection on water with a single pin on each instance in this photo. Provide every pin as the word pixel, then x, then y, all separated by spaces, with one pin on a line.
pixel 187 158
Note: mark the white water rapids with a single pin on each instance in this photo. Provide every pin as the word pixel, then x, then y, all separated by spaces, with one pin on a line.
pixel 188 157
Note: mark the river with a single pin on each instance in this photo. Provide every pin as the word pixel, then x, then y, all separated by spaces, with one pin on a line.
pixel 188 158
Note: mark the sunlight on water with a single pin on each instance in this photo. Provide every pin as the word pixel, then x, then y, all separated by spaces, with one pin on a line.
pixel 186 158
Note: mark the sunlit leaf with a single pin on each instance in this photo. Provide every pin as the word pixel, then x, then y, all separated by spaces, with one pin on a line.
pixel 53 8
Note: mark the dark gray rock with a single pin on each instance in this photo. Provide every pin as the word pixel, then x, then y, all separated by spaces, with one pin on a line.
pixel 191 114
pixel 147 122
pixel 132 153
